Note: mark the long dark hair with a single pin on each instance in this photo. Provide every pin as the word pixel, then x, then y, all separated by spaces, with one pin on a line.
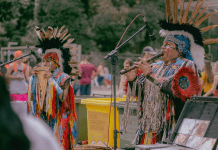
pixel 208 71
pixel 11 130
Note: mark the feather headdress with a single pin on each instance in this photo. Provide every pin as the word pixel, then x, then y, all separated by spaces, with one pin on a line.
pixel 55 41
pixel 185 32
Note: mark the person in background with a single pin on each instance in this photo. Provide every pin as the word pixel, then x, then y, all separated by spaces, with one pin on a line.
pixel 86 69
pixel 214 89
pixel 76 76
pixel 106 75
pixel 25 61
pixel 123 78
pixel 207 78
pixel 18 74
pixel 94 79
pixel 11 58
pixel 101 73
pixel 148 52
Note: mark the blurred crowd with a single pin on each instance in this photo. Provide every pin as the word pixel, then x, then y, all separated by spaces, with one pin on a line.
pixel 18 74
pixel 84 76
pixel 90 76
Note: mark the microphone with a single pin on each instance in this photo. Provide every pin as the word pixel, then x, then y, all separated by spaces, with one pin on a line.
pixel 151 34
pixel 38 59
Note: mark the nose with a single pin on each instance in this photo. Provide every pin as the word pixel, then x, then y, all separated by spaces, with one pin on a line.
pixel 163 48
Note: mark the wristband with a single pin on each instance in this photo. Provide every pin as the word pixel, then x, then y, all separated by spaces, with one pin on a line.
pixel 149 74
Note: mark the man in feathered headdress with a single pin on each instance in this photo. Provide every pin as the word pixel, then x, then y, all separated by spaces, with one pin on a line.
pixel 57 108
pixel 164 86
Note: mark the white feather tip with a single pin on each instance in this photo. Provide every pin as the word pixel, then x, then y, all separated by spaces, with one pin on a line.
pixel 39 51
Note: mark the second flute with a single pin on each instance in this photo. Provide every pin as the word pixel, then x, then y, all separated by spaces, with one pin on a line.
pixel 134 67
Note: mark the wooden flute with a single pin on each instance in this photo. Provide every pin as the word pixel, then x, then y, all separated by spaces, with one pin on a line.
pixel 134 67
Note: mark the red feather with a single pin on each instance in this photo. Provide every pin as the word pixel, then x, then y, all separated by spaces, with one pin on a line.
pixel 194 87
pixel 73 105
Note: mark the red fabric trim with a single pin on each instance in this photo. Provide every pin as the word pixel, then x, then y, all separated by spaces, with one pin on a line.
pixel 168 111
pixel 143 139
pixel 53 56
pixel 153 140
pixel 72 103
pixel 194 85
pixel 65 141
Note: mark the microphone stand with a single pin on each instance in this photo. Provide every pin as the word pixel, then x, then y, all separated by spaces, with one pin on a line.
pixel 31 52
pixel 2 65
pixel 113 59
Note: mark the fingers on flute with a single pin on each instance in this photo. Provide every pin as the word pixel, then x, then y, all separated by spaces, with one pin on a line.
pixel 142 60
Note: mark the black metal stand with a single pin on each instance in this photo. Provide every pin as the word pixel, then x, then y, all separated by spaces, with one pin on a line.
pixel 2 65
pixel 31 53
pixel 113 52
pixel 113 60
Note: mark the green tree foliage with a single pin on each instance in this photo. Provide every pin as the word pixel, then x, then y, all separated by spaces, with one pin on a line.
pixel 95 24
pixel 15 16
pixel 70 13
pixel 113 17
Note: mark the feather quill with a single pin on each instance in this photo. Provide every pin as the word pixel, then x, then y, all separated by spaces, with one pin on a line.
pixel 43 31
pixel 49 33
pixel 42 34
pixel 66 37
pixel 185 16
pixel 181 11
pixel 55 32
pixel 59 32
pixel 208 28
pixel 168 11
pixel 68 42
pixel 195 11
pixel 175 14
pixel 63 34
pixel 201 13
pixel 198 23
pixel 210 41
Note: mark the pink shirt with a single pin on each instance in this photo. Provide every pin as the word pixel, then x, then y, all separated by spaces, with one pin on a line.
pixel 86 70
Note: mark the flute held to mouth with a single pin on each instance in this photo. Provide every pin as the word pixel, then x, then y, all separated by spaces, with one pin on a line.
pixel 134 67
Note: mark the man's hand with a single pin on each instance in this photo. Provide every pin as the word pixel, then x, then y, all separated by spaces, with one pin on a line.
pixel 146 68
pixel 35 71
pixel 47 74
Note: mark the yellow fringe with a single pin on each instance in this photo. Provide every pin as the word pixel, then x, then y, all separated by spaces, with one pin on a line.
pixel 29 95
pixel 50 101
